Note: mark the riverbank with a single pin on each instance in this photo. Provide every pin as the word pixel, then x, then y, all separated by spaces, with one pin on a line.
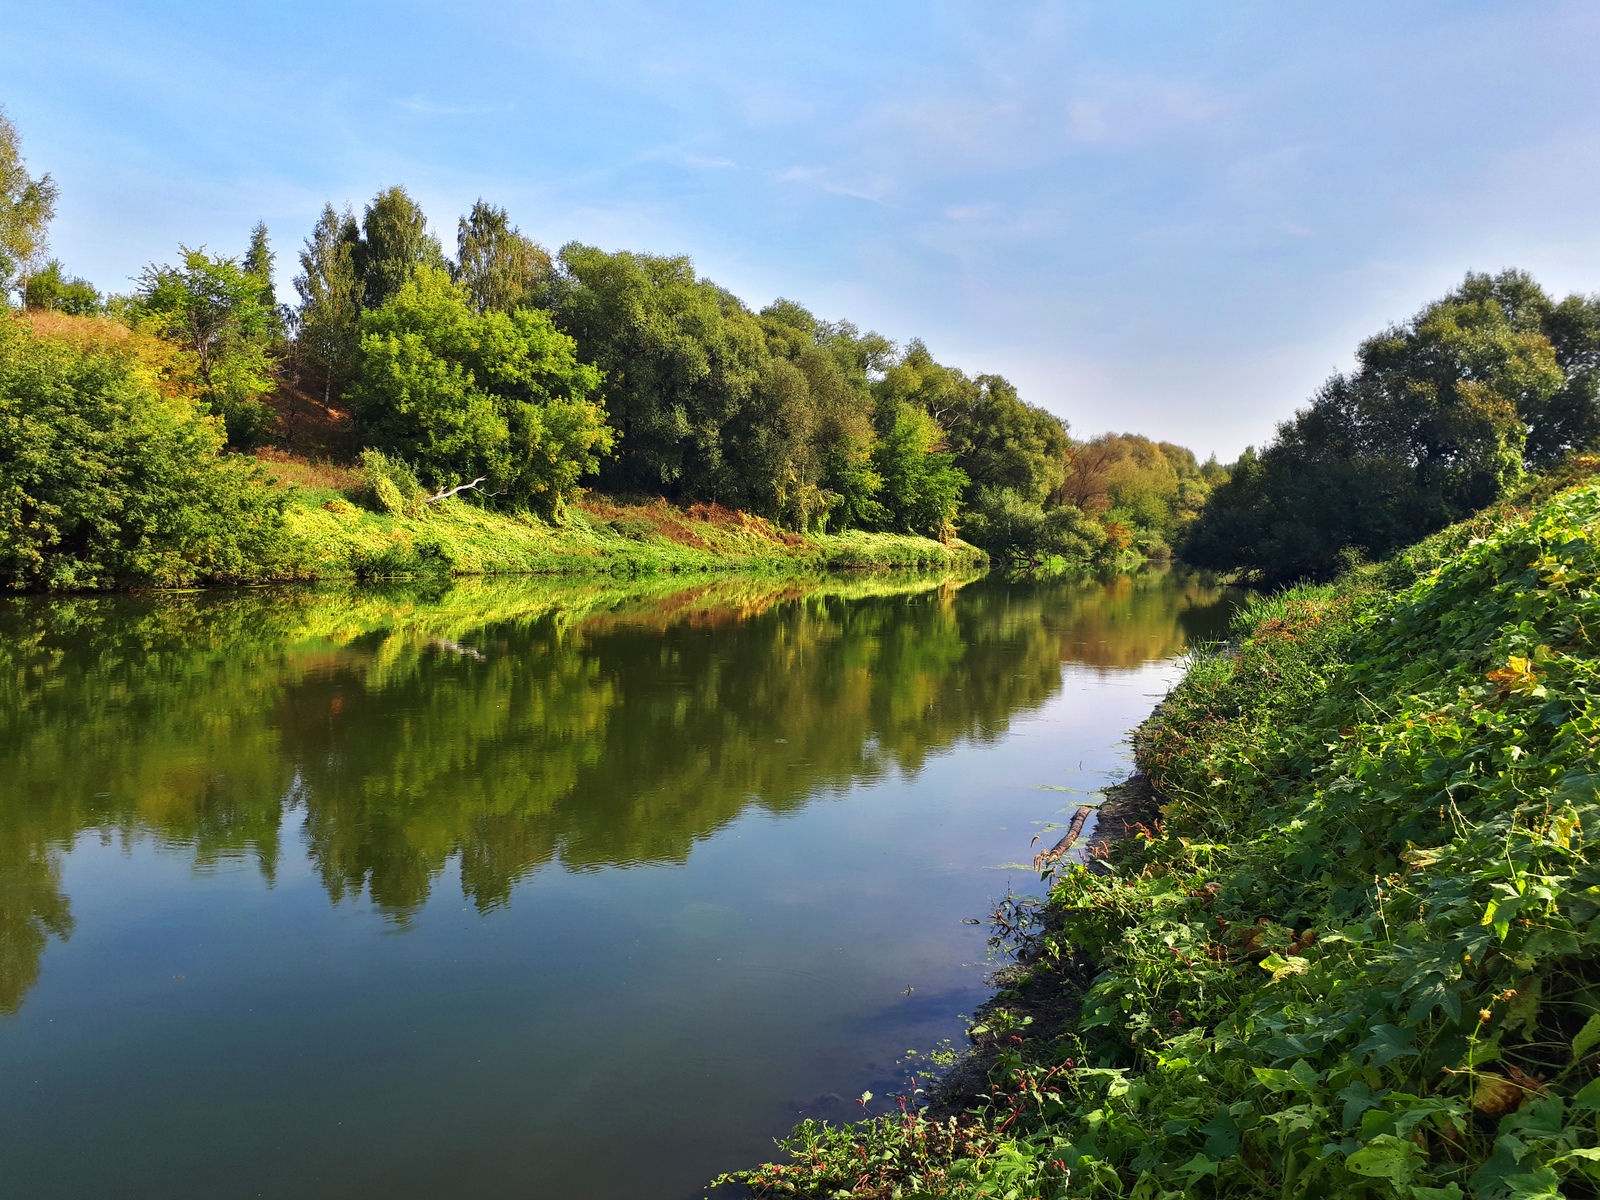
pixel 1354 956
pixel 335 537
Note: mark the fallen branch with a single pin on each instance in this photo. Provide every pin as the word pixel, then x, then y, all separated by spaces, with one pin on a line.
pixel 459 488
pixel 1065 844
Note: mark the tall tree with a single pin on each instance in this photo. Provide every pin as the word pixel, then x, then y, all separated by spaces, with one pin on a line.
pixel 211 306
pixel 259 263
pixel 27 206
pixel 500 267
pixel 329 331
pixel 394 244
pixel 681 359
pixel 922 486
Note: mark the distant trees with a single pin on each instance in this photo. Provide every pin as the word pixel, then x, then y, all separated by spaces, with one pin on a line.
pixel 1439 418
pixel 51 289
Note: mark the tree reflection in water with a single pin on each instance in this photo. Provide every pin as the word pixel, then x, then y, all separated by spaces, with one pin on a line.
pixel 509 723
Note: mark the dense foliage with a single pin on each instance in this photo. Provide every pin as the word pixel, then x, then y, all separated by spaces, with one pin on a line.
pixel 470 395
pixel 1355 958
pixel 1438 419
pixel 104 480
pixel 219 311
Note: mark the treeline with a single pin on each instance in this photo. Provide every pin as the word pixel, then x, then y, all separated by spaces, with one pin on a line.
pixel 522 375
pixel 1441 417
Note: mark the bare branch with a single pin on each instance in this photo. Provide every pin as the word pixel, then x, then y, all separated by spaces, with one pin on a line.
pixel 445 495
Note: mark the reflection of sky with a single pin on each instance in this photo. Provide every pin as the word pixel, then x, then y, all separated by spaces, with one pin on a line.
pixel 664 1020
pixel 1172 217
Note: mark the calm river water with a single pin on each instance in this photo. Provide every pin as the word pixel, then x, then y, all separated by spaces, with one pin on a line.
pixel 517 889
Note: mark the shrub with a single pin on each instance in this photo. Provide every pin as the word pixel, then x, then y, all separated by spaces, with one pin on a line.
pixel 1008 525
pixel 390 485
pixel 103 481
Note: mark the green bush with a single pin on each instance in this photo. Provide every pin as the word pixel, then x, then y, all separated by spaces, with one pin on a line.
pixel 104 482
pixel 1009 526
pixel 391 485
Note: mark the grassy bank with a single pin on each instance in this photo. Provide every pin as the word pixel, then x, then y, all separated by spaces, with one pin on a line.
pixel 1354 954
pixel 338 537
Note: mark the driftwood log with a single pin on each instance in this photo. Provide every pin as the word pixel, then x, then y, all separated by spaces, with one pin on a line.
pixel 1065 844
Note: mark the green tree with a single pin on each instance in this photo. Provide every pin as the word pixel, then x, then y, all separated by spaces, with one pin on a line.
pixel 211 306
pixel 51 289
pixel 328 332
pixel 27 206
pixel 501 268
pixel 811 418
pixel 105 481
pixel 260 263
pixel 395 244
pixel 1002 442
pixel 1569 417
pixel 922 486
pixel 996 439
pixel 1431 425
pixel 682 359
pixel 465 394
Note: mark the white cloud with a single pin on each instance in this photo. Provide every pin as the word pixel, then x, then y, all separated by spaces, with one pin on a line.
pixel 419 104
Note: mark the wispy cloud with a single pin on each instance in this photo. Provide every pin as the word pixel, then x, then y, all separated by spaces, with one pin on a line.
pixel 875 188
pixel 419 104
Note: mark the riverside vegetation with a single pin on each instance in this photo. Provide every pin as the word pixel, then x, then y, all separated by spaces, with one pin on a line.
pixel 1353 954
pixel 141 434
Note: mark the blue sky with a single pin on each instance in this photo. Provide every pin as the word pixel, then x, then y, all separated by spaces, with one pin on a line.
pixel 1173 218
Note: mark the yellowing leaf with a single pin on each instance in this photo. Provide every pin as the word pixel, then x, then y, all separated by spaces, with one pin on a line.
pixel 1565 824
pixel 1516 676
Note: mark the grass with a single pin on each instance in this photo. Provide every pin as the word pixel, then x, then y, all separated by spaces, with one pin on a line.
pixel 339 538
pixel 1356 955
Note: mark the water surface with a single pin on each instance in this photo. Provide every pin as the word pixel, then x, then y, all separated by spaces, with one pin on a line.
pixel 516 889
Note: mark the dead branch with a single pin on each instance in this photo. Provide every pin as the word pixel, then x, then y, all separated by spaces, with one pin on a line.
pixel 459 488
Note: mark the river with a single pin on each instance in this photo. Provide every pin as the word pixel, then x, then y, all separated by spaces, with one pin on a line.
pixel 512 888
